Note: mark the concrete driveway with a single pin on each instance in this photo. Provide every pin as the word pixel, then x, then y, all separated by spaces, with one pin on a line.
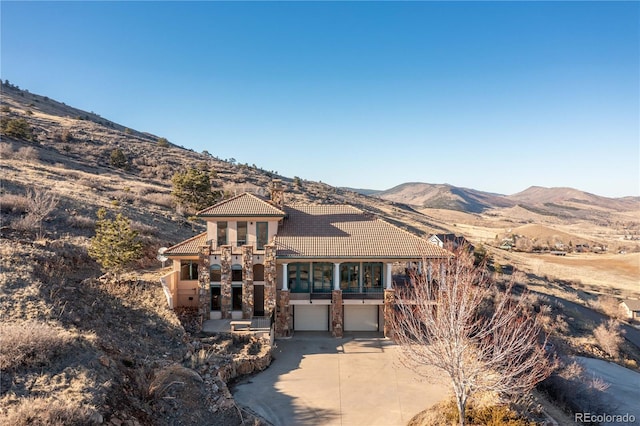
pixel 316 379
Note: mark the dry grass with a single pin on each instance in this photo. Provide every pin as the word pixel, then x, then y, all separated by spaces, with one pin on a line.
pixel 31 344
pixel 49 411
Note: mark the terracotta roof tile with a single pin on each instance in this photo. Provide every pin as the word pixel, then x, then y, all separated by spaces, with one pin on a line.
pixel 188 247
pixel 342 231
pixel 243 205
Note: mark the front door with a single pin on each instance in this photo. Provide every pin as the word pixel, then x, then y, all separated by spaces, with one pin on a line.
pixel 258 300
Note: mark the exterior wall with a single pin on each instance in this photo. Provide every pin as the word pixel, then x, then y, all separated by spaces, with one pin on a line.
pixel 186 291
pixel 232 230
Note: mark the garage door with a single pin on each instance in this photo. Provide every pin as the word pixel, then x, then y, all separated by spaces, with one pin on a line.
pixel 311 318
pixel 361 318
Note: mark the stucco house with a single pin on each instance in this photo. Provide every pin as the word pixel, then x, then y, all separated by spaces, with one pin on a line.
pixel 631 308
pixel 313 267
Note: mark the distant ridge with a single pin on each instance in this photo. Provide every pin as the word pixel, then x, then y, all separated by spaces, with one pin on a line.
pixel 552 201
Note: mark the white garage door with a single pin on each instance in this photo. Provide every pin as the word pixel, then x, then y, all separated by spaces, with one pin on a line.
pixel 360 317
pixel 311 318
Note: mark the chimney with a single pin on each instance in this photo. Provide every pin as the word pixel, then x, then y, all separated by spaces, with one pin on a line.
pixel 277 193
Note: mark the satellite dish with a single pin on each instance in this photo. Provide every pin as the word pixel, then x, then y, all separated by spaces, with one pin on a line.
pixel 161 257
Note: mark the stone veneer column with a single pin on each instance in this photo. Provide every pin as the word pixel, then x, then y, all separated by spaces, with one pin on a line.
pixel 225 282
pixel 204 283
pixel 283 315
pixel 389 306
pixel 270 279
pixel 247 281
pixel 336 313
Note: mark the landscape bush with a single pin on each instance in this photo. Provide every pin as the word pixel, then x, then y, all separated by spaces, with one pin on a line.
pixel 446 413
pixel 609 337
pixel 31 344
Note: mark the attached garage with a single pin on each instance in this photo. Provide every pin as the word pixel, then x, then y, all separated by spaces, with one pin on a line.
pixel 311 317
pixel 361 317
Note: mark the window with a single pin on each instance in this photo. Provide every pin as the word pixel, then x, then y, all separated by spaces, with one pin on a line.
pixel 372 276
pixel 189 270
pixel 350 277
pixel 322 277
pixel 299 277
pixel 222 233
pixel 262 234
pixel 236 273
pixel 215 298
pixel 215 274
pixel 242 233
pixel 258 272
pixel 236 298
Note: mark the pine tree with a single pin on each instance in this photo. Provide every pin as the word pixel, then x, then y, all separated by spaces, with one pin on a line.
pixel 115 244
pixel 192 189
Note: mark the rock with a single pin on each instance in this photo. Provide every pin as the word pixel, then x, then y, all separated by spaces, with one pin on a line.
pixel 104 360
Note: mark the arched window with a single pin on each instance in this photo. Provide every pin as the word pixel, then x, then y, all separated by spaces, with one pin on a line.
pixel 215 274
pixel 258 272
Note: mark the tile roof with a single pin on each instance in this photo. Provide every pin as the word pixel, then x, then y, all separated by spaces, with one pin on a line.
pixel 342 231
pixel 190 246
pixel 243 205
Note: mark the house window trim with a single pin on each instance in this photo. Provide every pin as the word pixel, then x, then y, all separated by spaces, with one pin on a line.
pixel 193 269
pixel 242 241
pixel 219 226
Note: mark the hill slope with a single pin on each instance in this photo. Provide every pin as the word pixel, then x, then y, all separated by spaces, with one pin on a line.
pixel 102 347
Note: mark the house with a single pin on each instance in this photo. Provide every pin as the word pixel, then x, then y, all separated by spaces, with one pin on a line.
pixel 631 308
pixel 316 267
pixel 450 241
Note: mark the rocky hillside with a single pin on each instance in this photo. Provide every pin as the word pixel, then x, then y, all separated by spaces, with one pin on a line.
pixel 75 349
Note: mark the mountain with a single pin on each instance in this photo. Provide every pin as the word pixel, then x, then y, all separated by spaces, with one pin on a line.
pixel 554 201
pixel 444 196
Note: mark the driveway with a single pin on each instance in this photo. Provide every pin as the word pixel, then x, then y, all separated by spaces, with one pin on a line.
pixel 316 379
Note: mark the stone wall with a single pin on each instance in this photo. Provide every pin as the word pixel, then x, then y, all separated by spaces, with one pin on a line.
pixel 204 283
pixel 389 305
pixel 225 281
pixel 270 279
pixel 337 317
pixel 247 281
pixel 283 315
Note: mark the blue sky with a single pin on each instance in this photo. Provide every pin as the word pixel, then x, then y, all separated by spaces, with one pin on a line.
pixel 492 96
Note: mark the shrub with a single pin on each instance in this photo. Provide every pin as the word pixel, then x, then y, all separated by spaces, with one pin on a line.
pixel 28 153
pixel 31 344
pixel 15 127
pixel 81 222
pixel 609 337
pixel 6 150
pixel 118 159
pixel 163 142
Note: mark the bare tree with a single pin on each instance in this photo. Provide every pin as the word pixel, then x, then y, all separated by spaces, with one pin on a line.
pixel 39 205
pixel 452 317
